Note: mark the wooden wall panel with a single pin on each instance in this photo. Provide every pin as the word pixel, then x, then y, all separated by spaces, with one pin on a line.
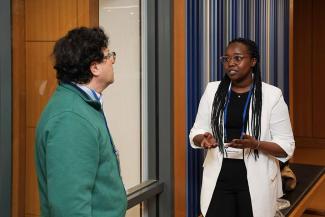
pixel 302 68
pixel 40 79
pixel 310 142
pixel 309 106
pixel 83 13
pixel 309 103
pixel 318 74
pixel 88 12
pixel 309 156
pixel 31 187
pixel 47 20
pixel 19 111
pixel 37 24
pixel 179 100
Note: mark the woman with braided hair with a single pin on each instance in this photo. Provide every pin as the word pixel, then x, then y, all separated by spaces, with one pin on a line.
pixel 244 124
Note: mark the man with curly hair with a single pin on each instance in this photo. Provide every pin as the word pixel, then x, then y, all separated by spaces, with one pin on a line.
pixel 76 160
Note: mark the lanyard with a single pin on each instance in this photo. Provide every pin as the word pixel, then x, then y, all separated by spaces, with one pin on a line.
pixel 106 124
pixel 95 95
pixel 110 137
pixel 243 115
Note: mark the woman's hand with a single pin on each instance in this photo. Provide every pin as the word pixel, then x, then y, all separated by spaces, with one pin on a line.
pixel 246 142
pixel 205 140
pixel 250 142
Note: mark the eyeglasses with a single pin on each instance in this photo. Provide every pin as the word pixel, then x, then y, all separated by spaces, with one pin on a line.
pixel 110 55
pixel 236 59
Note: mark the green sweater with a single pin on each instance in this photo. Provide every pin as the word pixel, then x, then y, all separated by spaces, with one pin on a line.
pixel 77 169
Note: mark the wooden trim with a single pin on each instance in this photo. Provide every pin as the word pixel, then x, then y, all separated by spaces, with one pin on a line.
pixel 291 61
pixel 309 145
pixel 94 13
pixel 88 13
pixel 315 212
pixel 302 206
pixel 19 111
pixel 306 142
pixel 179 100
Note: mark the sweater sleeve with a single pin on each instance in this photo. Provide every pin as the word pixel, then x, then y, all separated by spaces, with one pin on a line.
pixel 72 158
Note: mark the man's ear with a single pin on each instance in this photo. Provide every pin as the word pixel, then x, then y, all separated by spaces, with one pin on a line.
pixel 94 68
pixel 253 62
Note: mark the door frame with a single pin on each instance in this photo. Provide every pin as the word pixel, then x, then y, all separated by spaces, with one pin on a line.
pixel 5 107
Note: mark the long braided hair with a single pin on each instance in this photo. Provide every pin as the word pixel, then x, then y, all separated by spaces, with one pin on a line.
pixel 220 98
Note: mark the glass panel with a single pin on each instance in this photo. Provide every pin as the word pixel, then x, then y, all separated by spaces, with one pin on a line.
pixel 125 100
pixel 134 212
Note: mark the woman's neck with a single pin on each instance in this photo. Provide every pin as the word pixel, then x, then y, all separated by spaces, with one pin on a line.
pixel 241 86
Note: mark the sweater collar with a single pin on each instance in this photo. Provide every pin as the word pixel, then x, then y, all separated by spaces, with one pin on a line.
pixel 80 92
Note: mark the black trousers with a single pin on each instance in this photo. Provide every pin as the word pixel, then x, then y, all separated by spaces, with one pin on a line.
pixel 231 196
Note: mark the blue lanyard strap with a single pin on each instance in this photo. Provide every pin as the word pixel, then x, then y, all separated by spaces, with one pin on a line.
pixel 106 124
pixel 109 134
pixel 243 115
pixel 95 95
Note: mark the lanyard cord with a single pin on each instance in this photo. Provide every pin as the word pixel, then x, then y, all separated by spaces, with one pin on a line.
pixel 106 124
pixel 95 95
pixel 109 134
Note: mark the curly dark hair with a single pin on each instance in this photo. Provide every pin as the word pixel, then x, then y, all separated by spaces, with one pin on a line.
pixel 74 53
pixel 221 97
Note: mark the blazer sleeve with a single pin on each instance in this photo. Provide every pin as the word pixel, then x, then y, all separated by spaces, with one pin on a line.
pixel 202 122
pixel 280 127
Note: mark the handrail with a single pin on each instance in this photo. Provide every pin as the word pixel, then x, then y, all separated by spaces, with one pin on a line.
pixel 143 192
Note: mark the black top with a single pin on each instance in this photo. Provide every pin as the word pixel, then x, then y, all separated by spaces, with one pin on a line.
pixel 235 115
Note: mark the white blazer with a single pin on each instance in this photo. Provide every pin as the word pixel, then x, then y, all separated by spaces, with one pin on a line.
pixel 263 175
